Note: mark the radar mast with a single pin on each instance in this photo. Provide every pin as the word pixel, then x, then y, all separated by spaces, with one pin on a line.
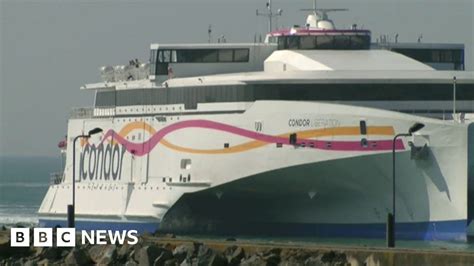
pixel 319 18
pixel 270 14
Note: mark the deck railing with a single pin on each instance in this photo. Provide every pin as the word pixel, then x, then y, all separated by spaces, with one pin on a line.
pixel 89 112
pixel 56 178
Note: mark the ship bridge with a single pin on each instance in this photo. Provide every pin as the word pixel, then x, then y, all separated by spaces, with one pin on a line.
pixel 187 60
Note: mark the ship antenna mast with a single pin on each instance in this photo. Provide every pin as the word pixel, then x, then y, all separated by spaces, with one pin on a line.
pixel 269 14
pixel 322 13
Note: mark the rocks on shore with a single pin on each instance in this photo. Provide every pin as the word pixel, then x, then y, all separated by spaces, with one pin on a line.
pixel 152 250
pixel 146 252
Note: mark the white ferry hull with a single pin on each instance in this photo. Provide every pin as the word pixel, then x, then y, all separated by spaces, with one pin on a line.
pixel 232 173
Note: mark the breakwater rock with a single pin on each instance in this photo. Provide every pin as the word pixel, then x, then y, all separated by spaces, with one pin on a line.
pixel 151 253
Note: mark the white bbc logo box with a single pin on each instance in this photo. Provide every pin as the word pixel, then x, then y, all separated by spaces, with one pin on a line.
pixel 43 237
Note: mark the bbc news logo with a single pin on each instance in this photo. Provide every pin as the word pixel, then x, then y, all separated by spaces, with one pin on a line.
pixel 66 237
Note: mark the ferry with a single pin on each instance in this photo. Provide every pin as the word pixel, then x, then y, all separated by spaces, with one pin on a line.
pixel 293 136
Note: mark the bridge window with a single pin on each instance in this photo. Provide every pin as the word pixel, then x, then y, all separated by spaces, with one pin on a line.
pixel 338 42
pixel 307 42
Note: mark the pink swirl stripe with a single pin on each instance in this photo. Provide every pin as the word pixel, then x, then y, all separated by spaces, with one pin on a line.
pixel 144 148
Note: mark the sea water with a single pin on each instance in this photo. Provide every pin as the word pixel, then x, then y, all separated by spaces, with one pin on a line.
pixel 23 184
pixel 25 180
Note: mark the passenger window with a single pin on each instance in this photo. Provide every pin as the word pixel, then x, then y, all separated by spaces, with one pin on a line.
pixel 363 127
pixel 209 56
pixel 225 55
pixel 185 163
pixel 241 55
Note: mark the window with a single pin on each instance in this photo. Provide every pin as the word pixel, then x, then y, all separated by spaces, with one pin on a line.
pixel 282 43
pixel 225 55
pixel 342 42
pixel 447 56
pixel 338 42
pixel 435 57
pixel 186 164
pixel 432 55
pixel 307 42
pixel 164 56
pixel 209 55
pixel 105 99
pixel 360 42
pixel 241 55
pixel 293 42
pixel 152 62
pixel 191 96
pixel 189 56
pixel 293 139
pixel 363 127
pixel 325 42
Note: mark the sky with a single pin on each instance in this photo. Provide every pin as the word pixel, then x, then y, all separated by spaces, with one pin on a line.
pixel 49 48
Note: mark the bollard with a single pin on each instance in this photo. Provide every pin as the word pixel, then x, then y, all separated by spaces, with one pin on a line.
pixel 70 216
pixel 390 231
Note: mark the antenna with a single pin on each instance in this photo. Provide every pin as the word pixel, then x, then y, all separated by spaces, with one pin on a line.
pixel 322 13
pixel 269 14
pixel 454 97
pixel 420 37
pixel 209 33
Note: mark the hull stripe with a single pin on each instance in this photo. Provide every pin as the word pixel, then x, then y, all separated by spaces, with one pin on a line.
pixel 439 230
pixel 259 139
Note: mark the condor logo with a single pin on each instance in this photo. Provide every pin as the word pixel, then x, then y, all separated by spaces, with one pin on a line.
pixel 101 162
pixel 299 122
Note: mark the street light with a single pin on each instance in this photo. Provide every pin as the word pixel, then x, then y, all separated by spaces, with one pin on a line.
pixel 391 216
pixel 71 207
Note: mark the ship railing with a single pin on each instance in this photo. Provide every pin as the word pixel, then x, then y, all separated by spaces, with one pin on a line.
pixel 90 112
pixel 56 178
pixel 83 112
pixel 104 111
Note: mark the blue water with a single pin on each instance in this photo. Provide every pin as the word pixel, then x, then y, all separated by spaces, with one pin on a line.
pixel 25 180
pixel 23 184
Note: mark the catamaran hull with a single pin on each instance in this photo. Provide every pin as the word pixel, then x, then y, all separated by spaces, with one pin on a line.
pixel 241 173
pixel 312 200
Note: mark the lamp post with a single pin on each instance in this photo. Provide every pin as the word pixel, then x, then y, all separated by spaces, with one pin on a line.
pixel 71 207
pixel 391 216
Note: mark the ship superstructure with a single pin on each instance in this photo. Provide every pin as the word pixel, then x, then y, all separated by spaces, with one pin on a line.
pixel 291 136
